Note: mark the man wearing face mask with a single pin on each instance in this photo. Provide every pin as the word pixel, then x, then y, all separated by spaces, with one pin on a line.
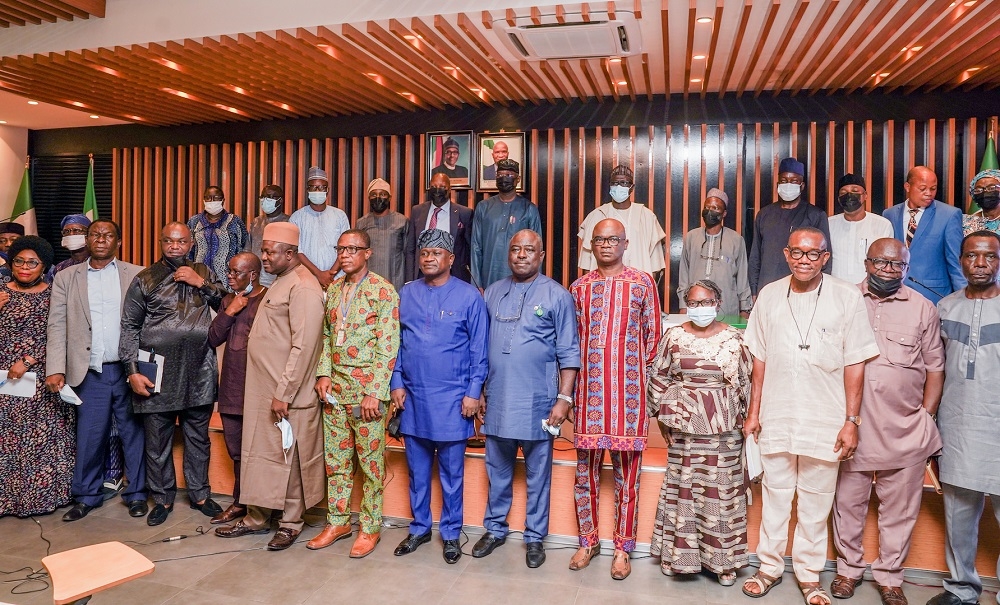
pixel 74 238
pixel 440 213
pixel 902 390
pixel 320 226
pixel 645 235
pixel 272 210
pixel 852 232
pixel 496 221
pixel 985 192
pixel 775 221
pixel 716 253
pixel 388 231
pixel 218 235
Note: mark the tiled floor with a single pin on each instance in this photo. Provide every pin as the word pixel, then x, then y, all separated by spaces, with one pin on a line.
pixel 330 577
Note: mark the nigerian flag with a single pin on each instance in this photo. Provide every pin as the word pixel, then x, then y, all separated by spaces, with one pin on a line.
pixel 89 197
pixel 24 211
pixel 989 163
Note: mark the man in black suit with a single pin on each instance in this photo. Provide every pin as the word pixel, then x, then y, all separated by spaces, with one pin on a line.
pixel 441 213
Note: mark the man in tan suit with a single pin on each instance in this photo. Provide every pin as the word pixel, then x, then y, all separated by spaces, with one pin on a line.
pixel 284 346
pixel 83 334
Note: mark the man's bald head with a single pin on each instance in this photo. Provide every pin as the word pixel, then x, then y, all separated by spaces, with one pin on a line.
pixel 527 237
pixel 609 243
pixel 175 241
pixel 246 261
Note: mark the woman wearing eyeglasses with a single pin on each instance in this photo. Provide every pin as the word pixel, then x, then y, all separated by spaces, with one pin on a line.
pixel 698 390
pixel 985 192
pixel 37 447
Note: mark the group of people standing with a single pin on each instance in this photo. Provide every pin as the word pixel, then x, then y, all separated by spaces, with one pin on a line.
pixel 330 331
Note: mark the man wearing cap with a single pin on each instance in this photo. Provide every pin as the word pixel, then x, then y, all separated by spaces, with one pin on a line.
pixel 852 232
pixel 360 344
pixel 388 231
pixel 449 162
pixel 645 235
pixel 499 152
pixel 932 230
pixel 218 235
pixel 496 221
pixel 777 220
pixel 437 383
pixel 320 226
pixel 272 210
pixel 717 253
pixel 74 238
pixel 438 212
pixel 8 233
pixel 282 467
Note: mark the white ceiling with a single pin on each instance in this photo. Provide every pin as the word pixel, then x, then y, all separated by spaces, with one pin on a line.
pixel 16 111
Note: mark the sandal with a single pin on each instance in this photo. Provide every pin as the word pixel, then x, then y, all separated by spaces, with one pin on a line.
pixel 621 567
pixel 763 582
pixel 583 557
pixel 892 595
pixel 811 591
pixel 843 587
pixel 727 578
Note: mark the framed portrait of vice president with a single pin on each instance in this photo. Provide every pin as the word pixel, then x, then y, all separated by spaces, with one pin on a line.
pixel 492 148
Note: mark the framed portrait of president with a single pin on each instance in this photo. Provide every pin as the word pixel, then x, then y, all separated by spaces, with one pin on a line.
pixel 492 148
pixel 451 153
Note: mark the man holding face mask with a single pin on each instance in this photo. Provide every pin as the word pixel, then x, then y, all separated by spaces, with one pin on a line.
pixel 388 230
pixel 218 235
pixel 852 232
pixel 440 213
pixel 272 210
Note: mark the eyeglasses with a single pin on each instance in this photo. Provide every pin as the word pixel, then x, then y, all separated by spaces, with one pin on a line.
pixel 213 198
pixel 72 231
pixel 351 250
pixel 317 188
pixel 895 265
pixel 990 188
pixel 621 183
pixel 26 262
pixel 708 302
pixel 234 272
pixel 797 253
pixel 612 241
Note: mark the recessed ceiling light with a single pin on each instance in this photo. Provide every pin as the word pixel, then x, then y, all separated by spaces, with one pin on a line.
pixel 134 118
pixel 95 117
pixel 884 74
pixel 622 83
pixel 410 37
pixel 372 74
pixel 3 121
pixel 615 60
pixel 77 104
pixel 974 69
pixel 32 102
pixel 698 57
pixel 704 19
pixel 695 80
pixel 904 49
pixel 970 2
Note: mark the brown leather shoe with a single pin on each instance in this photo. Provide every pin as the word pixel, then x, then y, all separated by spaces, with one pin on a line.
pixel 283 538
pixel 329 535
pixel 892 595
pixel 843 587
pixel 364 544
pixel 620 565
pixel 239 530
pixel 229 515
pixel 583 557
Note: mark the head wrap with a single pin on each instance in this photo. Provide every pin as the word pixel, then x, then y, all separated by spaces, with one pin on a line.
pixel 622 170
pixel 75 219
pixel 378 184
pixel 509 164
pixel 852 179
pixel 315 172
pixel 719 193
pixel 989 172
pixel 436 238
pixel 282 232
pixel 36 244
pixel 792 165
pixel 450 142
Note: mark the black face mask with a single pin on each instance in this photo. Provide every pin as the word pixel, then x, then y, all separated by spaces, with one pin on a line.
pixel 987 200
pixel 883 287
pixel 850 201
pixel 439 195
pixel 711 217
pixel 379 204
pixel 505 183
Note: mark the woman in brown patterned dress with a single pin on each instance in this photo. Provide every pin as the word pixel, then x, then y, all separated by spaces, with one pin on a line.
pixel 698 390
pixel 38 443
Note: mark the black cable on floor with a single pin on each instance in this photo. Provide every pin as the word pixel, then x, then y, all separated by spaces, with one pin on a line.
pixel 39 576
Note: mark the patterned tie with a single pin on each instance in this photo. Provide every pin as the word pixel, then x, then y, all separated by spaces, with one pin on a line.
pixel 437 211
pixel 911 227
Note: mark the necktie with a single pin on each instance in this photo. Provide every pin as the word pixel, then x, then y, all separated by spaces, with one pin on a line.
pixel 437 211
pixel 911 227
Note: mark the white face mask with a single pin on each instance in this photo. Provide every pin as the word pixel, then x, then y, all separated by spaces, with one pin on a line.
pixel 317 197
pixel 268 204
pixel 213 208
pixel 789 192
pixel 74 242
pixel 619 193
pixel 702 316
pixel 287 439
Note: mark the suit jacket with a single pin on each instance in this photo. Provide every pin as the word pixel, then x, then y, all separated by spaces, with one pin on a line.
pixel 461 230
pixel 935 270
pixel 69 329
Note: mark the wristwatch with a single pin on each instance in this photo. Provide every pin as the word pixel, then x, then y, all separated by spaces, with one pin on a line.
pixel 565 398
pixel 855 419
pixel 27 364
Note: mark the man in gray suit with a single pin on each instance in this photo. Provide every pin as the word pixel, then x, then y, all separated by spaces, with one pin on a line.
pixel 83 334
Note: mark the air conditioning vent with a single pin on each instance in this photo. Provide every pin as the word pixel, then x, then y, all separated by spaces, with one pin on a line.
pixel 573 39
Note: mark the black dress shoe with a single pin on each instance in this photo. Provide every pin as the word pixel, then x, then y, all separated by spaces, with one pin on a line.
pixel 137 508
pixel 487 544
pixel 452 551
pixel 947 598
pixel 158 515
pixel 209 507
pixel 411 543
pixel 79 511
pixel 535 555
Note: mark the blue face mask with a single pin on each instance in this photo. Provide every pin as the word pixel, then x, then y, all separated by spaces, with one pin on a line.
pixel 268 204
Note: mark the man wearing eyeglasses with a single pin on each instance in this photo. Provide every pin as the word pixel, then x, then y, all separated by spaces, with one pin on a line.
pixel 217 235
pixel 320 226
pixel 74 238
pixel 360 343
pixel 902 390
pixel 618 322
pixel 717 253
pixel 810 338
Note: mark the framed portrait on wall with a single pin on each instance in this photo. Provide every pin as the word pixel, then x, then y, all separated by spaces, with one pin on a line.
pixel 451 153
pixel 492 148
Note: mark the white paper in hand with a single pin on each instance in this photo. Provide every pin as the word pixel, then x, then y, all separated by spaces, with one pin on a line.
pixel 751 456
pixel 69 395
pixel 21 387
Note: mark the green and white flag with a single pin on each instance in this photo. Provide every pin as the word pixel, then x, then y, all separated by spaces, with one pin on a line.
pixel 24 210
pixel 89 197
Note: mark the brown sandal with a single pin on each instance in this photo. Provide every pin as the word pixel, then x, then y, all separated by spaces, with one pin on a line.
pixel 621 567
pixel 813 590
pixel 763 582
pixel 892 595
pixel 843 587
pixel 583 557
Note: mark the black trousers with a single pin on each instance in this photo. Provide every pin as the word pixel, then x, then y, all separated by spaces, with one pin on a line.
pixel 160 475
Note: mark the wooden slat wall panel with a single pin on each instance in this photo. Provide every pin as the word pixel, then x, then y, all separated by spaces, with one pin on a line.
pixel 674 166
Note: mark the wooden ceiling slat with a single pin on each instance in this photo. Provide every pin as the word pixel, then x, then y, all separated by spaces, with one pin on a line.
pixel 713 46
pixel 73 10
pixel 478 40
pixel 849 18
pixel 92 7
pixel 46 13
pixel 606 69
pixel 588 74
pixel 811 37
pixel 536 80
pixel 560 13
pixel 772 12
pixel 689 44
pixel 574 81
pixel 990 77
pixel 555 80
pixel 611 11
pixel 629 83
pixel 637 8
pixel 585 12
pixel 487 19
pixel 981 58
pixel 645 77
pixel 15 17
pixel 536 15
pixel 511 17
pixel 665 32
pixel 786 37
pixel 734 52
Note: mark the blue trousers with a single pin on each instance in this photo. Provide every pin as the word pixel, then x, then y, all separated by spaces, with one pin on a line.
pixel 420 454
pixel 106 395
pixel 501 454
